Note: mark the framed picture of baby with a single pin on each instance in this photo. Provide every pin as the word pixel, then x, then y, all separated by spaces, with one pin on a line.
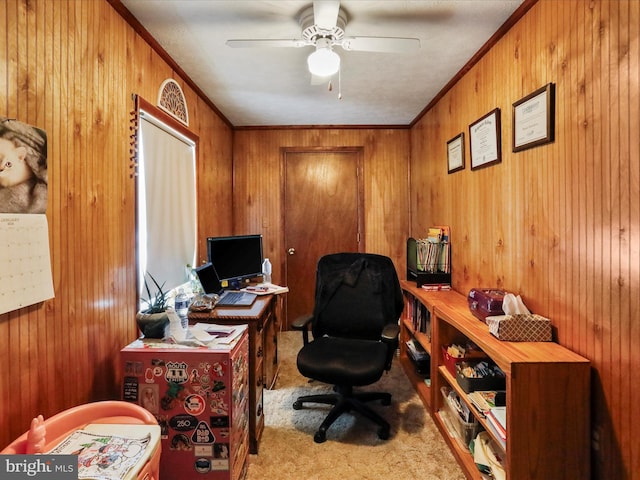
pixel 23 167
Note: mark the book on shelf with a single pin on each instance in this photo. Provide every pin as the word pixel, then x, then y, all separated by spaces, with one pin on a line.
pixel 420 317
pixel 497 421
pixel 495 426
pixel 500 416
pixel 497 437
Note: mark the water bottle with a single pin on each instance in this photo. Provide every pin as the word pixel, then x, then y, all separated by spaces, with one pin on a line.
pixel 266 271
pixel 182 307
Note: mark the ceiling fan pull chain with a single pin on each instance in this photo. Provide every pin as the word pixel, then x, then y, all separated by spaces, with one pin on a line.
pixel 339 84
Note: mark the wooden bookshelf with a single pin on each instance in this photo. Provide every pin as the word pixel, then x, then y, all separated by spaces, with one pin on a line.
pixel 547 389
pixel 415 296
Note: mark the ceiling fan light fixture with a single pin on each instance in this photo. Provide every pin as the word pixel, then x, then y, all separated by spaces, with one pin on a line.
pixel 324 62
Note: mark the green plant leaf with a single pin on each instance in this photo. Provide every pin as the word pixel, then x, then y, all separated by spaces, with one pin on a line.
pixel 157 303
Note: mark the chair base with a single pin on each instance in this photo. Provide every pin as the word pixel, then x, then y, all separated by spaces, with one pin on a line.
pixel 345 400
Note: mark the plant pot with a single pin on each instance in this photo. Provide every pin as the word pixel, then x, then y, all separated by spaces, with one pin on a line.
pixel 153 325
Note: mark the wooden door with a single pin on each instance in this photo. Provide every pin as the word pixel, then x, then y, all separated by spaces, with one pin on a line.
pixel 322 214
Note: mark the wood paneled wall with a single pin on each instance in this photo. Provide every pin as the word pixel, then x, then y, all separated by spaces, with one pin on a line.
pixel 70 67
pixel 258 182
pixel 558 224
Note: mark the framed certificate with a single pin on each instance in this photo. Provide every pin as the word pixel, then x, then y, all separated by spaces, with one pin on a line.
pixel 484 140
pixel 534 119
pixel 455 153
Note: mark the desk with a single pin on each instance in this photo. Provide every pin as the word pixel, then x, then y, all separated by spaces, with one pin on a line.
pixel 262 320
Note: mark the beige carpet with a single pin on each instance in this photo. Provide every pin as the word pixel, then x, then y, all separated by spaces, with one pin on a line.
pixel 287 451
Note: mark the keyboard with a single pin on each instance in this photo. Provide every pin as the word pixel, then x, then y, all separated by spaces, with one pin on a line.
pixel 237 298
pixel 232 298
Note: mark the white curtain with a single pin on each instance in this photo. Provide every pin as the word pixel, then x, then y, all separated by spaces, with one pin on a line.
pixel 166 204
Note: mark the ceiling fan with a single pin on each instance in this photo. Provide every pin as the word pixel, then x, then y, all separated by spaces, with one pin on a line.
pixel 323 26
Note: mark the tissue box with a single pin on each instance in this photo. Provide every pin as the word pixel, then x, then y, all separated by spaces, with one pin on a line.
pixel 523 327
pixel 484 302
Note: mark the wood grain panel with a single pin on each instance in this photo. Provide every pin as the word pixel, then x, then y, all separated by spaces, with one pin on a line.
pixel 71 67
pixel 257 191
pixel 633 262
pixel 559 223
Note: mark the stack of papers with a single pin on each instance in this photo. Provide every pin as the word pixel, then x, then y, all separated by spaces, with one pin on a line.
pixel 208 335
pixel 265 289
pixel 485 400
pixel 217 335
pixel 433 252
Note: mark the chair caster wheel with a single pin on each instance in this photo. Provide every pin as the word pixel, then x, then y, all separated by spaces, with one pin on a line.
pixel 383 433
pixel 297 405
pixel 320 436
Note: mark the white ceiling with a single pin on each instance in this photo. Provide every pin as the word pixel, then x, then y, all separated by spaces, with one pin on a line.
pixel 272 87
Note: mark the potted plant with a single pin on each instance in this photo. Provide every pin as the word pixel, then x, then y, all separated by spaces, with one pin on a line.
pixel 153 320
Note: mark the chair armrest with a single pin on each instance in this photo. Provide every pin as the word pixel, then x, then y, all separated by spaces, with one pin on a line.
pixel 390 333
pixel 302 324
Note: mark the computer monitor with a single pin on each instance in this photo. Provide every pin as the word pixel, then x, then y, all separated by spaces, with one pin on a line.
pixel 236 258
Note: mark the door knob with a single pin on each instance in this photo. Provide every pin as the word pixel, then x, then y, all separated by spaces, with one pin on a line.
pixel 291 251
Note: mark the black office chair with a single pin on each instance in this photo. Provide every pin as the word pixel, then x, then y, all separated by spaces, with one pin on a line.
pixel 358 302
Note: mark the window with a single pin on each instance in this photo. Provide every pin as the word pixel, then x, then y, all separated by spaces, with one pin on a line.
pixel 166 200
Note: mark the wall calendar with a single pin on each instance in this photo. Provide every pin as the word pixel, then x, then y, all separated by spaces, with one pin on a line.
pixel 25 264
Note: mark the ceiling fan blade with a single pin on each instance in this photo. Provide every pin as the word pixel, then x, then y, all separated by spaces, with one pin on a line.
pixel 257 43
pixel 325 13
pixel 380 44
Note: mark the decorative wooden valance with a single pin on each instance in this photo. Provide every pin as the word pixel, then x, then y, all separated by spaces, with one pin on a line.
pixel 171 100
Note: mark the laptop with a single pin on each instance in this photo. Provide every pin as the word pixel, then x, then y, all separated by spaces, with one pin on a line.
pixel 211 284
